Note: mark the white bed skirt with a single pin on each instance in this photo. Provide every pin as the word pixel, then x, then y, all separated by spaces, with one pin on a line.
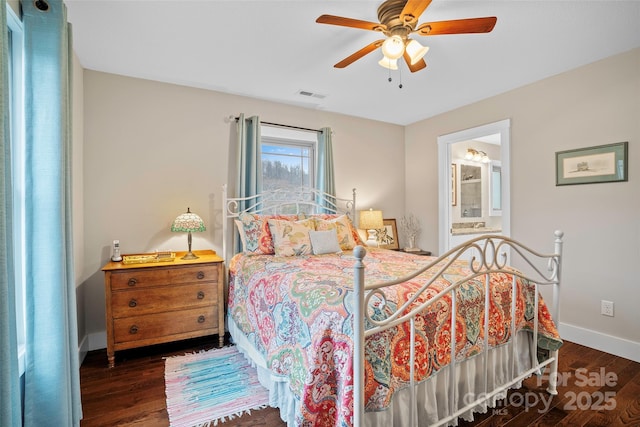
pixel 432 394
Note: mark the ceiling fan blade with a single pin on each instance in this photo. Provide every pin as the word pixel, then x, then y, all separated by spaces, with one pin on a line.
pixel 349 22
pixel 415 67
pixel 359 54
pixel 413 9
pixel 457 26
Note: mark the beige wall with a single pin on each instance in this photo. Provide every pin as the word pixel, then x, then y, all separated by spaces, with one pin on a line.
pixel 152 149
pixel 592 105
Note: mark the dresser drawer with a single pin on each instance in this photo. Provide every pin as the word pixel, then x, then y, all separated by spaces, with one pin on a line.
pixel 141 278
pixel 208 273
pixel 134 302
pixel 158 325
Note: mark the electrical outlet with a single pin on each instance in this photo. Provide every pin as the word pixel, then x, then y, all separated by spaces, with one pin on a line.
pixel 606 308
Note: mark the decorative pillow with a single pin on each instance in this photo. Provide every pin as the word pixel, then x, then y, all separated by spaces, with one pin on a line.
pixel 354 231
pixel 243 237
pixel 356 236
pixel 324 242
pixel 255 234
pixel 343 227
pixel 265 240
pixel 251 232
pixel 291 238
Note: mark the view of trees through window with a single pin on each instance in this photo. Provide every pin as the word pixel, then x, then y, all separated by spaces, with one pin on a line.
pixel 287 165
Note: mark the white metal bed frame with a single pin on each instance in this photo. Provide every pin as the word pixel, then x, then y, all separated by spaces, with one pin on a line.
pixel 488 256
pixel 492 260
pixel 294 200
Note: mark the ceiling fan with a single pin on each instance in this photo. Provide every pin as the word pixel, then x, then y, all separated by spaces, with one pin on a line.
pixel 398 19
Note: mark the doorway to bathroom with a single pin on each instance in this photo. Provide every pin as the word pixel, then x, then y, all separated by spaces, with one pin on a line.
pixel 474 177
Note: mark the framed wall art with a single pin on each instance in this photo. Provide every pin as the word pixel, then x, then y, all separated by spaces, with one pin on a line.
pixel 387 237
pixel 602 163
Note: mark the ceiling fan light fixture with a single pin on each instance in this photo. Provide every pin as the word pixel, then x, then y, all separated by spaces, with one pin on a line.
pixel 391 64
pixel 393 47
pixel 416 51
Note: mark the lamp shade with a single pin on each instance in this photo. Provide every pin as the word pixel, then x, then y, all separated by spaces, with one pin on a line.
pixel 371 220
pixel 188 222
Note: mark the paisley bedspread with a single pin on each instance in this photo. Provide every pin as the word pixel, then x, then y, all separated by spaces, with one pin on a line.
pixel 298 312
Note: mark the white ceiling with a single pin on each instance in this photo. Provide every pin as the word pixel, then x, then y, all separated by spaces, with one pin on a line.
pixel 273 49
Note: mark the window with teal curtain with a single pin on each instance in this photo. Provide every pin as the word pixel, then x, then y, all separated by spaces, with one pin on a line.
pixel 304 161
pixel 52 383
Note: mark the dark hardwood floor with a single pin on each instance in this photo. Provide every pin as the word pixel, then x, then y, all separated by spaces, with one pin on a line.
pixel 596 389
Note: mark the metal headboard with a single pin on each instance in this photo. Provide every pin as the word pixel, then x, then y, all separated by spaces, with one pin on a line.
pixel 279 201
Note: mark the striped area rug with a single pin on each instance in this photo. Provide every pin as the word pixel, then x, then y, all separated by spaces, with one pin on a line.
pixel 205 388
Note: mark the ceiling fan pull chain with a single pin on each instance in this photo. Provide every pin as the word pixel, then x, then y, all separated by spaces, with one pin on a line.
pixel 400 73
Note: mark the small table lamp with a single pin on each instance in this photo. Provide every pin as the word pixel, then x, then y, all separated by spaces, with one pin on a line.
pixel 188 222
pixel 371 220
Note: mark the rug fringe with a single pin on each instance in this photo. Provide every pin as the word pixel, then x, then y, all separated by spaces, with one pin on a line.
pixel 232 416
pixel 191 353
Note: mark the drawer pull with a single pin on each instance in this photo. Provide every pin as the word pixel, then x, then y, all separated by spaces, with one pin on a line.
pixel 133 329
pixel 200 295
pixel 200 275
pixel 201 319
pixel 132 281
pixel 133 303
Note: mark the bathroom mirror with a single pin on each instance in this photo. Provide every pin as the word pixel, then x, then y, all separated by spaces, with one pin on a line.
pixel 470 191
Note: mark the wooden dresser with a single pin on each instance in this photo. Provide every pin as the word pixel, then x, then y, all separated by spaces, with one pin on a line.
pixel 160 302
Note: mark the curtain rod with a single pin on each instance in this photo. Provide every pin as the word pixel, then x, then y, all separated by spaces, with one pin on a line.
pixel 284 126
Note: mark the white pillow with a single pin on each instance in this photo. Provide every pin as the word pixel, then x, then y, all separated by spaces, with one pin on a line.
pixel 325 242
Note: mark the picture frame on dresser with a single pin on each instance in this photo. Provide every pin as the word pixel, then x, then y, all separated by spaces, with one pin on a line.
pixel 387 237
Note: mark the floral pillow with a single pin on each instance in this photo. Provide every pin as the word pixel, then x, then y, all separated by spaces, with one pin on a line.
pixel 265 240
pixel 325 216
pixel 249 232
pixel 343 227
pixel 255 234
pixel 291 238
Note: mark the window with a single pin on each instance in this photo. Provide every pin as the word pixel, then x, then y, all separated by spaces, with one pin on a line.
pixel 288 158
pixel 16 124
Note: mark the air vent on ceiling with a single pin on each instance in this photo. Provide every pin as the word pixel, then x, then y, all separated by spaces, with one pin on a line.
pixel 311 94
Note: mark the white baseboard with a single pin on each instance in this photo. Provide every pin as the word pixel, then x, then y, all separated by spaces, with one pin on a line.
pixel 97 340
pixel 603 342
pixel 83 349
